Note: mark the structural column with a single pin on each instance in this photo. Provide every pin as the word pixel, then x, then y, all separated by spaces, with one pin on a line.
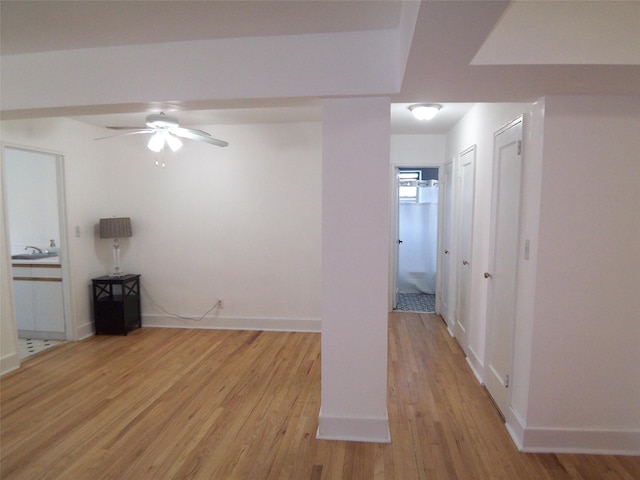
pixel 355 263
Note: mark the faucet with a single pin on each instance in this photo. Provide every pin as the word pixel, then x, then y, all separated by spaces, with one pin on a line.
pixel 35 249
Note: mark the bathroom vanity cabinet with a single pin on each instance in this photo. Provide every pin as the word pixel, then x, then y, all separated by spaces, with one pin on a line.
pixel 39 301
pixel 116 304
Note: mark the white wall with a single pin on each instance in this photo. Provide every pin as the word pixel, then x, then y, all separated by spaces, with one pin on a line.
pixel 575 368
pixel 85 194
pixel 478 128
pixel 355 247
pixel 417 150
pixel 584 385
pixel 9 356
pixel 240 223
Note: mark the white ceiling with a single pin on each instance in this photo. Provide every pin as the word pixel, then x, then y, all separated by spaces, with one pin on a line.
pixel 449 35
pixel 564 33
pixel 462 52
pixel 43 26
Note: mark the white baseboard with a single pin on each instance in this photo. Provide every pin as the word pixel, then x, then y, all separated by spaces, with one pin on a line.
pixel 235 323
pixel 566 440
pixel 85 331
pixel 605 442
pixel 353 429
pixel 515 426
pixel 9 363
pixel 476 365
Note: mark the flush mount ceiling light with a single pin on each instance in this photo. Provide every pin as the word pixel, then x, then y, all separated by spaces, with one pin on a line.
pixel 425 111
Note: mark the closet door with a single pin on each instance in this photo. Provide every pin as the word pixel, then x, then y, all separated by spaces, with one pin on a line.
pixel 446 253
pixel 503 261
pixel 463 251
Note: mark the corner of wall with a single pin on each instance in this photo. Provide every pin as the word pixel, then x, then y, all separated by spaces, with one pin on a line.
pixel 9 337
pixel 9 363
pixel 85 330
pixel 476 365
pixel 527 270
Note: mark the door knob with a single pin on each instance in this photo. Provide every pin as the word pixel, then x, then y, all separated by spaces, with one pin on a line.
pixel 487 275
pixel 464 262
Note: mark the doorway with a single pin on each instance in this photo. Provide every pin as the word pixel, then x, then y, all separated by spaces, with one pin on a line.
pixel 34 199
pixel 417 234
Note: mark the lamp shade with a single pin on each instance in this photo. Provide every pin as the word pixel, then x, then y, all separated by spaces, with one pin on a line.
pixel 117 227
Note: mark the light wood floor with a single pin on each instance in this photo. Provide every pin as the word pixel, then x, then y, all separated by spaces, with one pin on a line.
pixel 174 403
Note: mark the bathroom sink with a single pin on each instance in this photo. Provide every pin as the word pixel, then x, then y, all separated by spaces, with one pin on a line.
pixel 32 256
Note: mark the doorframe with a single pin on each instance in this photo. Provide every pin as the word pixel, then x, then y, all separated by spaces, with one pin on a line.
pixel 394 226
pixel 69 319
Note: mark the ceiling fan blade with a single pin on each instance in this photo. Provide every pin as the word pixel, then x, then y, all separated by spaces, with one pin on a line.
pixel 195 131
pixel 123 128
pixel 146 130
pixel 199 135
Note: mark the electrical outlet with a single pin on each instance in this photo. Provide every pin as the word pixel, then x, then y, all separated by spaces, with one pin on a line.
pixel 220 304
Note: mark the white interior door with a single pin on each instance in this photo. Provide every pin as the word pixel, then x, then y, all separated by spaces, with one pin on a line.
pixel 446 253
pixel 503 260
pixel 463 251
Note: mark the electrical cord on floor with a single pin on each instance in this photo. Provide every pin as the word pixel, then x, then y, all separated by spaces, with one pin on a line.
pixel 155 304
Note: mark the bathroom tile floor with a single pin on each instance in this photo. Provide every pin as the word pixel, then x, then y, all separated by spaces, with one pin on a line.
pixel 31 346
pixel 416 302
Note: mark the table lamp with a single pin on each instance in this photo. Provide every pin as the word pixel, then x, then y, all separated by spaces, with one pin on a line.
pixel 116 227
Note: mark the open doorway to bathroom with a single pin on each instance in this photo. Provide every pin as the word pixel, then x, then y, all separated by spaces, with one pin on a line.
pixel 417 221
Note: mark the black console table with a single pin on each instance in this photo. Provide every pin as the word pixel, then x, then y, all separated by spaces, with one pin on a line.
pixel 116 304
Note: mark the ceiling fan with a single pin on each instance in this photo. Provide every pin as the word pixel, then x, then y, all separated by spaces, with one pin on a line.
pixel 167 131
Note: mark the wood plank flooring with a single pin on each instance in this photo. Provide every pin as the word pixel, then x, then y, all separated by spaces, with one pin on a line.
pixel 206 404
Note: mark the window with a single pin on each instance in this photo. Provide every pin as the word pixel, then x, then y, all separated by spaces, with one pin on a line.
pixel 408 185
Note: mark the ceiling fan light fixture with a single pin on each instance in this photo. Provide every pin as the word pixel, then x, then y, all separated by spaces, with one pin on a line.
pixel 174 142
pixel 425 111
pixel 165 131
pixel 156 142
